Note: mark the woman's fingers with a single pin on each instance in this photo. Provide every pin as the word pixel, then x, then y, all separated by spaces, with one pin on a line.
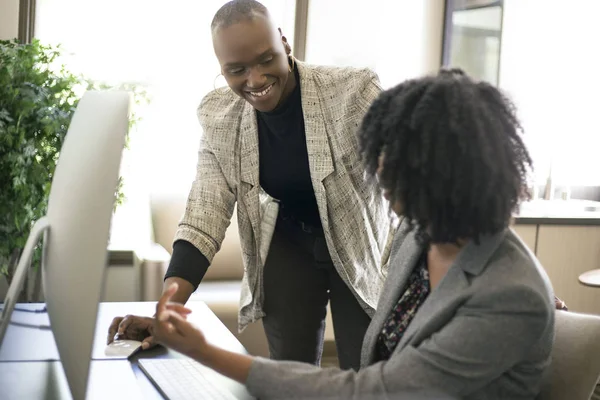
pixel 178 308
pixel 166 297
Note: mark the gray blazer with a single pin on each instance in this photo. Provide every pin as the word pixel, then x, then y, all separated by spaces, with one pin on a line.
pixel 485 332
pixel 353 213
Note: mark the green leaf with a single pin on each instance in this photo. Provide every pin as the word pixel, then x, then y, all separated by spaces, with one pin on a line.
pixel 38 97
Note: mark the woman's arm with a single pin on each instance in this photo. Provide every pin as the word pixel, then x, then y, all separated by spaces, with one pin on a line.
pixel 173 330
pixel 483 340
pixel 211 200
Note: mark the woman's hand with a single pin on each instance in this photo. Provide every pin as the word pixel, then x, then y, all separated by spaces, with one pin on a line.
pixel 131 327
pixel 171 329
pixel 140 328
pixel 559 304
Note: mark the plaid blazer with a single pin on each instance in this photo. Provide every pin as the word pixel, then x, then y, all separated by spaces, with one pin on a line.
pixel 355 217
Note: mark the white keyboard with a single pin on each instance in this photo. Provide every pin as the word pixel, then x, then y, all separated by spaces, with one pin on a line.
pixel 182 379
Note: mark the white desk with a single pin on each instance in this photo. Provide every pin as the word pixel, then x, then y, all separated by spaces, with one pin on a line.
pixel 30 367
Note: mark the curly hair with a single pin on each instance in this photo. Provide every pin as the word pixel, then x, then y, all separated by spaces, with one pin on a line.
pixel 453 156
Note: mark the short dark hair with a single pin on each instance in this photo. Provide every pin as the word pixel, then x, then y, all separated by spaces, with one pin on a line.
pixel 236 11
pixel 453 155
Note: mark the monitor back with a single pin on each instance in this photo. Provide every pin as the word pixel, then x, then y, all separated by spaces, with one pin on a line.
pixel 80 208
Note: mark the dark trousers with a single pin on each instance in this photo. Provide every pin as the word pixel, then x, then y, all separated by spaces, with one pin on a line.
pixel 299 280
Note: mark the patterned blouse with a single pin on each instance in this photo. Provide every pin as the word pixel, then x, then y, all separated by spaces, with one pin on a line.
pixel 416 292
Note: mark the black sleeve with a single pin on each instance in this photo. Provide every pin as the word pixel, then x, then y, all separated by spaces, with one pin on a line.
pixel 187 262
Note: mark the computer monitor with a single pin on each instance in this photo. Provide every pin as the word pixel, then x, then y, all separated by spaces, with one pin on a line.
pixel 76 230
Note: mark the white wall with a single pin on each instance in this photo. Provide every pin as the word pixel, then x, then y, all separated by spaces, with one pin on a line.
pixel 9 19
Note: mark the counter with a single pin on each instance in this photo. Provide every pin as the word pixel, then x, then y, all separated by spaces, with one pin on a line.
pixel 565 237
pixel 559 212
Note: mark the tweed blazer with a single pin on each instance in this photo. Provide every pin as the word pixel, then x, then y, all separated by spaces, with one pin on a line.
pixel 484 333
pixel 354 215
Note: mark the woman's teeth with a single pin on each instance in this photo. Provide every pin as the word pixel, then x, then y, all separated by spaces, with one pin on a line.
pixel 260 94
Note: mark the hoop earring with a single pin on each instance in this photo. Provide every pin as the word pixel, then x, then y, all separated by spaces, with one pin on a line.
pixel 222 89
pixel 292 63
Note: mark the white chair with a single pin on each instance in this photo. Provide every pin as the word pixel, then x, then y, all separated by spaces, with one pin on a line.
pixel 575 366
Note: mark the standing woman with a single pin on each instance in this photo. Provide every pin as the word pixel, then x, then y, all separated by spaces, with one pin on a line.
pixel 288 130
pixel 466 309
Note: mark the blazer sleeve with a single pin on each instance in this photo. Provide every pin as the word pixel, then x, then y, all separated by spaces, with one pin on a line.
pixel 211 201
pixel 484 339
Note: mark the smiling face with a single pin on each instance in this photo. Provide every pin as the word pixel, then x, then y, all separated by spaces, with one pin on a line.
pixel 254 60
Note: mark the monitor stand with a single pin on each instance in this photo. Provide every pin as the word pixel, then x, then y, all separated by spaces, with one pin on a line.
pixel 16 286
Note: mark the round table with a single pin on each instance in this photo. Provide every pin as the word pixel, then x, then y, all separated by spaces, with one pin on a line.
pixel 590 278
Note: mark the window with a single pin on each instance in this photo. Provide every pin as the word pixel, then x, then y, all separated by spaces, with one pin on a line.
pixel 548 70
pixel 397 39
pixel 472 42
pixel 165 46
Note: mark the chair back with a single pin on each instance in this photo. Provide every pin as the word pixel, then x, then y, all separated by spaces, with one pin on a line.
pixel 575 366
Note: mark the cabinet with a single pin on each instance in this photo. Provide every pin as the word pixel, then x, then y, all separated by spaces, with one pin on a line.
pixel 566 252
pixel 527 233
pixel 122 278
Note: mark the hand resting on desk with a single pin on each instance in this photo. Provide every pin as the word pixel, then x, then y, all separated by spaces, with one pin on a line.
pixel 134 327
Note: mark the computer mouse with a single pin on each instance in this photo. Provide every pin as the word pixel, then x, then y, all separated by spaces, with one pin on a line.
pixel 122 348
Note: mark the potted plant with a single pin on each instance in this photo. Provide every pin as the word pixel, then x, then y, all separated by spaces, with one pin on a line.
pixel 38 98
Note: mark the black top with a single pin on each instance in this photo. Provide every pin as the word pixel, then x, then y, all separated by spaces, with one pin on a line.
pixel 284 168
pixel 284 174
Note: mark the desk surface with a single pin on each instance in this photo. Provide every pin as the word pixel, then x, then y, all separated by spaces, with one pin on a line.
pixel 30 366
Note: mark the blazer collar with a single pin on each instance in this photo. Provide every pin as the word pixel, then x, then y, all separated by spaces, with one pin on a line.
pixel 472 260
pixel 406 252
pixel 317 141
pixel 249 146
pixel 475 257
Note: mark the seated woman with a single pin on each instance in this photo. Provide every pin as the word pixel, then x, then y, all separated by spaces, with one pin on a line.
pixel 466 309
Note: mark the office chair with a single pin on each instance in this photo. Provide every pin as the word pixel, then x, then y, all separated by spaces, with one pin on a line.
pixel 575 365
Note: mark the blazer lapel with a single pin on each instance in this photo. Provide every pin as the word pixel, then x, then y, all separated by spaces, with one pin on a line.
pixel 249 146
pixel 317 141
pixel 472 260
pixel 452 284
pixel 249 166
pixel 401 265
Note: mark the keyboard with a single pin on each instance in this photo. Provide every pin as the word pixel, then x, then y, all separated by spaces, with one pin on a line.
pixel 182 379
